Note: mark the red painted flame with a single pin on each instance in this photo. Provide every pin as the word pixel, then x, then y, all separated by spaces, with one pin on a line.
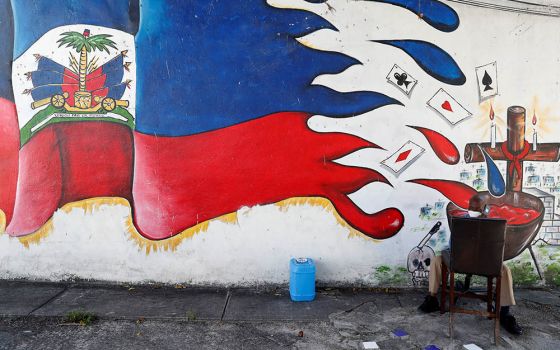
pixel 442 146
pixel 491 112
pixel 457 192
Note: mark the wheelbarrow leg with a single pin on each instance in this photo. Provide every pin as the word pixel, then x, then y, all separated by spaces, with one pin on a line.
pixel 535 261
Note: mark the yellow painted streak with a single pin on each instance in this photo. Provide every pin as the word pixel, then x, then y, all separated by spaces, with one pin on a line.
pixel 171 243
pixel 91 204
pixel 37 236
pixel 288 6
pixel 88 205
pixel 327 206
pixel 2 222
pixel 308 44
pixel 230 218
pixel 167 244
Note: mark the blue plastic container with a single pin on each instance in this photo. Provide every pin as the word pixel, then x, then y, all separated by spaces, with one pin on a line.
pixel 302 279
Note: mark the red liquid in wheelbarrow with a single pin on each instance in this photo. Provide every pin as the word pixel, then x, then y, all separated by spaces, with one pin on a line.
pixel 513 215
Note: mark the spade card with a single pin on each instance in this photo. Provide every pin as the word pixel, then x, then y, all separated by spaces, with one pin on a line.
pixel 403 157
pixel 448 107
pixel 487 77
pixel 402 80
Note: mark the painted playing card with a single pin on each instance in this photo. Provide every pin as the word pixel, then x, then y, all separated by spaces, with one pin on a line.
pixel 401 79
pixel 448 107
pixel 403 157
pixel 487 77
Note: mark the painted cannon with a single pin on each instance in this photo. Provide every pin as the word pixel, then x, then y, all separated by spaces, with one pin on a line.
pixel 60 101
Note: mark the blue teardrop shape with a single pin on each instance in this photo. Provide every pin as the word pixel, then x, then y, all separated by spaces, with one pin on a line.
pixel 496 183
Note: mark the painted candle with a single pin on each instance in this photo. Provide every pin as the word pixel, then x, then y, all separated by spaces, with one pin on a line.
pixel 535 141
pixel 492 128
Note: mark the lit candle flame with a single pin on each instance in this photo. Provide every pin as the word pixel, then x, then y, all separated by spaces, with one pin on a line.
pixel 491 112
pixel 535 138
pixel 534 121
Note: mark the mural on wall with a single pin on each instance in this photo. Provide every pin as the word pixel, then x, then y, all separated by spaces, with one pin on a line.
pixel 229 126
pixel 203 108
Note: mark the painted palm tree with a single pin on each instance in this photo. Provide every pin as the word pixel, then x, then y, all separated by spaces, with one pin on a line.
pixel 83 43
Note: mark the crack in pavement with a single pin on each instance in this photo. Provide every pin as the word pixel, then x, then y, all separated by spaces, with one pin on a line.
pixel 49 300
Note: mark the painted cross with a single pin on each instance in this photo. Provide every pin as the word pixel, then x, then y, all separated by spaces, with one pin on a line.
pixel 515 150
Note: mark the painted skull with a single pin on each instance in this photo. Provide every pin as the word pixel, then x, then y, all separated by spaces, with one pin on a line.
pixel 419 260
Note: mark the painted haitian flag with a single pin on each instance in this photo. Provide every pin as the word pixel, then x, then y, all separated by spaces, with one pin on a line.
pixel 73 76
pixel 200 110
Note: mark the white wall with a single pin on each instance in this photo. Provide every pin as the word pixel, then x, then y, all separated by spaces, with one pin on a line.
pixel 256 249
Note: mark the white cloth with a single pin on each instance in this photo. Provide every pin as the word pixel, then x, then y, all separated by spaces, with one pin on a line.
pixel 506 289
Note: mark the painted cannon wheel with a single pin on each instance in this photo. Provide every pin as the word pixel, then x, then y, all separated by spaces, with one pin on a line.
pixel 58 101
pixel 108 104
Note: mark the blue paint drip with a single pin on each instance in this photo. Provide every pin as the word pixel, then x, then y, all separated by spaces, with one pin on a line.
pixel 435 13
pixel 432 59
pixel 496 183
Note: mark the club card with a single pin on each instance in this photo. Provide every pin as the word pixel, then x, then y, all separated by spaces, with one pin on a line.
pixel 401 79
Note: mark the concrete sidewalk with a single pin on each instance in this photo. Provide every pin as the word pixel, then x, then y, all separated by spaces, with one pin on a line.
pixel 164 317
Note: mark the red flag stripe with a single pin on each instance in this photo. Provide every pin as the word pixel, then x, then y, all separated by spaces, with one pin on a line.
pixel 9 147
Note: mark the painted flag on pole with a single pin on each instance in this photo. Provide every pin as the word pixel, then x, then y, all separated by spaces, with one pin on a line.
pixel 448 107
pixel 403 157
pixel 487 77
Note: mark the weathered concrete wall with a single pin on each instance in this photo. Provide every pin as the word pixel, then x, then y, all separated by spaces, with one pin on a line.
pixel 215 141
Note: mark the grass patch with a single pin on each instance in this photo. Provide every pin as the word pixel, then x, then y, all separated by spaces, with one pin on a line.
pixel 387 276
pixel 191 315
pixel 523 273
pixel 476 281
pixel 81 317
pixel 552 274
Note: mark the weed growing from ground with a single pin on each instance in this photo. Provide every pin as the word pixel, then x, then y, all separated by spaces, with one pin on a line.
pixel 84 318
